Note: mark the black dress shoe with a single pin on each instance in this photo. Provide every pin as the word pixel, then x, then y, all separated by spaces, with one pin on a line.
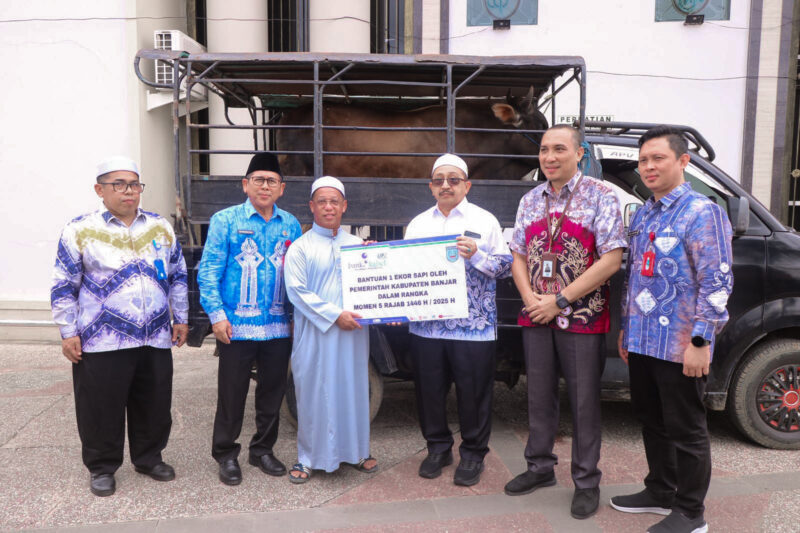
pixel 102 484
pixel 528 481
pixel 229 472
pixel 584 503
pixel 468 472
pixel 431 467
pixel 161 472
pixel 268 464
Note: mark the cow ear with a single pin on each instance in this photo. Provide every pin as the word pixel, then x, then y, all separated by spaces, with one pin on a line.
pixel 506 113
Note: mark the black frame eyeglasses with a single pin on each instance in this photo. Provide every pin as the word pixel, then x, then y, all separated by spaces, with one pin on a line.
pixel 123 186
pixel 259 181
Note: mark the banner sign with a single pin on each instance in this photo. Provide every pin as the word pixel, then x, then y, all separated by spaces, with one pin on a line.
pixel 405 281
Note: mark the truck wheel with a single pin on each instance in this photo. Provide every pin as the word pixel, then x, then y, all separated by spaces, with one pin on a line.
pixel 289 406
pixel 764 400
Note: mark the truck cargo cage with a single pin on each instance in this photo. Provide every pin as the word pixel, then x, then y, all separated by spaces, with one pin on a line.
pixel 267 84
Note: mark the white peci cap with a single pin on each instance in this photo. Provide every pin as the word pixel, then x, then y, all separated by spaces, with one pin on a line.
pixel 453 160
pixel 117 162
pixel 327 181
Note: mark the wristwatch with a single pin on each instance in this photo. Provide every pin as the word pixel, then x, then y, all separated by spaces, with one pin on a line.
pixel 561 302
pixel 699 341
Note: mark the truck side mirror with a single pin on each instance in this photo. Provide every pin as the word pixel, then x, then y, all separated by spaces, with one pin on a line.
pixel 739 212
pixel 630 209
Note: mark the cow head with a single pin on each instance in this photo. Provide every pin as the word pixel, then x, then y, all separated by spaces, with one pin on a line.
pixel 522 114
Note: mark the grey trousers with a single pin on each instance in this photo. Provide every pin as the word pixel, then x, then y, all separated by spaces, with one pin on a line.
pixel 580 358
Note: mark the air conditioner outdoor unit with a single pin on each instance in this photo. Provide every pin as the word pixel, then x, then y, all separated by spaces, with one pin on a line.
pixel 175 40
pixel 172 40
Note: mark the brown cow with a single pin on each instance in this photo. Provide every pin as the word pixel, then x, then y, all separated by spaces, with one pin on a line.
pixel 469 114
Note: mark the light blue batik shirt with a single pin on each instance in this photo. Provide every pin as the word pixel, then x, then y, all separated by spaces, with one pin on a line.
pixel 692 279
pixel 490 262
pixel 241 273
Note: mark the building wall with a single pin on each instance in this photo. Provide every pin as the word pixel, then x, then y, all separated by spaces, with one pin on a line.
pixel 66 102
pixel 638 70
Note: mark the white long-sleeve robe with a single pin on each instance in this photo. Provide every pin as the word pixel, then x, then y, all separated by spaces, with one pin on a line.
pixel 329 365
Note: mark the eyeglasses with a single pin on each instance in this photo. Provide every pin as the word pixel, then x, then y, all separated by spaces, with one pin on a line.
pixel 122 186
pixel 438 182
pixel 259 181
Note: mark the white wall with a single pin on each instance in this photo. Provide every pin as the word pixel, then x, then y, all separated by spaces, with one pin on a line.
pixel 621 36
pixel 65 103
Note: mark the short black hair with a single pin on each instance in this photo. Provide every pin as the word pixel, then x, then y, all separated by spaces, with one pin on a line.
pixel 576 134
pixel 677 142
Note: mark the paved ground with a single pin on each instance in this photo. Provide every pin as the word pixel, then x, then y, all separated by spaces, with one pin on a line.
pixel 44 484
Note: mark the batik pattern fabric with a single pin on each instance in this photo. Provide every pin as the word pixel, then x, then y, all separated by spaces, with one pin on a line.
pixel 692 276
pixel 593 227
pixel 492 261
pixel 106 287
pixel 241 273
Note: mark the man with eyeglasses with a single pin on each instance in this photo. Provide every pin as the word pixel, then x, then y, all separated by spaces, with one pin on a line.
pixel 459 351
pixel 119 276
pixel 241 289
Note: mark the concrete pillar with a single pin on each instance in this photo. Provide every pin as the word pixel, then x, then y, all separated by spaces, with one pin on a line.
pixel 431 26
pixel 342 34
pixel 233 36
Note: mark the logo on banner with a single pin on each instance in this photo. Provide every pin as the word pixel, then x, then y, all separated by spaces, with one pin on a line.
pixel 369 261
pixel 451 252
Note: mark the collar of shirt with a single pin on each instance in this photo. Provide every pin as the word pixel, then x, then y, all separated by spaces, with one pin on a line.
pixel 460 209
pixel 108 217
pixel 325 232
pixel 569 186
pixel 672 197
pixel 250 210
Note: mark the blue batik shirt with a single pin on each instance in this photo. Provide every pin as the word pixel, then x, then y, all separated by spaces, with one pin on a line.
pixel 692 278
pixel 241 273
pixel 491 261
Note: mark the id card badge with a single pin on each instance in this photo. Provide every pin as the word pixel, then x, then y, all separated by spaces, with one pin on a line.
pixel 649 258
pixel 549 263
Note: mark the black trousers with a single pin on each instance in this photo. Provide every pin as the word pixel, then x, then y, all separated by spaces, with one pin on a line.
pixel 670 408
pixel 233 380
pixel 109 384
pixel 438 363
pixel 580 358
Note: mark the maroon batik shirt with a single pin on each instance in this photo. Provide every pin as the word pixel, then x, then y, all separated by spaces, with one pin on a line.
pixel 593 227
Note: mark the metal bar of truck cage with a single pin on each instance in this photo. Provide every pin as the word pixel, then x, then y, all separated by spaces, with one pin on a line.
pixel 451 111
pixel 206 71
pixel 257 126
pixel 176 138
pixel 185 198
pixel 317 123
pixel 394 154
pixel 311 82
pixel 553 103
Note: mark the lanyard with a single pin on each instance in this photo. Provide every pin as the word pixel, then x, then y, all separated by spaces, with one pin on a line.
pixel 552 231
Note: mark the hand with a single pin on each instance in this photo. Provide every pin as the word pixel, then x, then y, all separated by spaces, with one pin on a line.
pixel 347 321
pixel 623 353
pixel 466 246
pixel 696 361
pixel 367 242
pixel 223 331
pixel 544 310
pixel 71 348
pixel 179 334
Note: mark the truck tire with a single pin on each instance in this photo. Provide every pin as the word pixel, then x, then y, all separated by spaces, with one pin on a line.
pixel 289 406
pixel 764 400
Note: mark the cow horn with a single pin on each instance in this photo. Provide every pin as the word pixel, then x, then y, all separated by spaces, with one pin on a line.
pixel 529 101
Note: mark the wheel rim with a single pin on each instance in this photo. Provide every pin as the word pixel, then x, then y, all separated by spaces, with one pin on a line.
pixel 778 399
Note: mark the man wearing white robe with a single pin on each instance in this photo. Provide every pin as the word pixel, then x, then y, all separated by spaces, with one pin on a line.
pixel 330 350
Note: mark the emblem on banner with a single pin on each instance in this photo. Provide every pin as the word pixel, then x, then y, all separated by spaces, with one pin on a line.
pixel 451 252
